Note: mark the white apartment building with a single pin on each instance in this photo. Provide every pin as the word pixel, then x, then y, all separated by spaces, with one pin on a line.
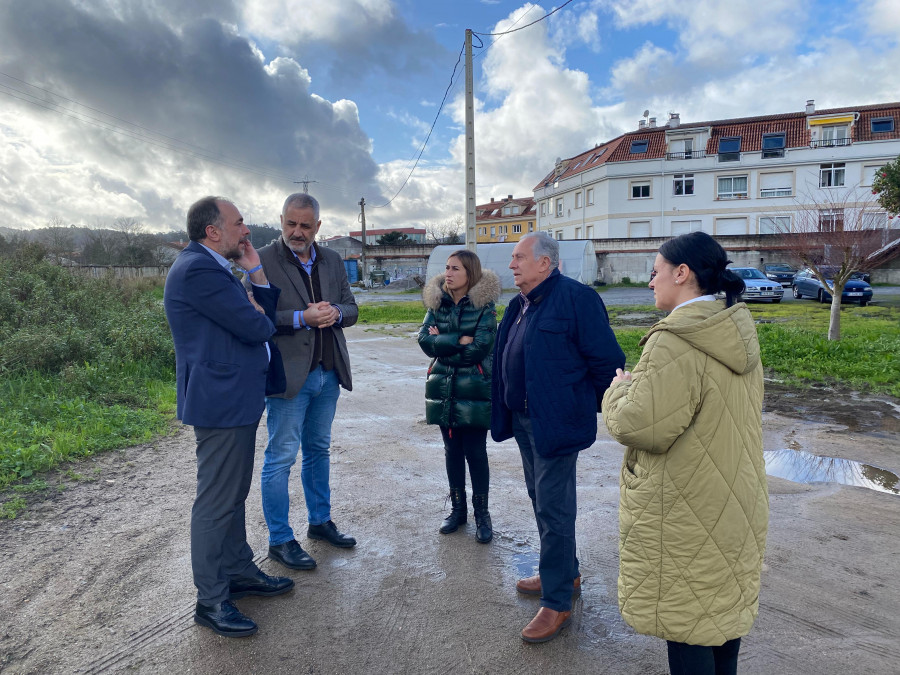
pixel 743 176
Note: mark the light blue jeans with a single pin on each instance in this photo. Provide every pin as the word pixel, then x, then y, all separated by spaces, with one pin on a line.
pixel 303 421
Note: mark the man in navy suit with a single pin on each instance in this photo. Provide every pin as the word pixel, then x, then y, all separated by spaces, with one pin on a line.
pixel 221 363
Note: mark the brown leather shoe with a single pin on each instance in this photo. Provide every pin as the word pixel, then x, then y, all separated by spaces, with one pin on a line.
pixel 546 625
pixel 532 585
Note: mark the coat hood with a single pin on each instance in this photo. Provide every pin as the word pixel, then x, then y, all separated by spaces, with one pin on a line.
pixel 486 290
pixel 726 334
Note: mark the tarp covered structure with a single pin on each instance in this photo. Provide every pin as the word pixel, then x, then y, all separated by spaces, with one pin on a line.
pixel 576 260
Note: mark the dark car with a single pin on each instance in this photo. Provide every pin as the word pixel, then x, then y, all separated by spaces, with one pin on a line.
pixel 806 285
pixel 783 274
pixel 756 286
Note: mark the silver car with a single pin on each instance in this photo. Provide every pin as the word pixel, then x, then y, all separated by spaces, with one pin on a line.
pixel 757 286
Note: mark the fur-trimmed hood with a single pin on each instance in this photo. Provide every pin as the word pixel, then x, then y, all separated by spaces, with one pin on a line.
pixel 486 290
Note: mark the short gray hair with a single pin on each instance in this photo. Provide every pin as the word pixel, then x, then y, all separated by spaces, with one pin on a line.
pixel 544 245
pixel 301 200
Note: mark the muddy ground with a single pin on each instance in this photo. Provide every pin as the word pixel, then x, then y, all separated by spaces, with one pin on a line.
pixel 97 578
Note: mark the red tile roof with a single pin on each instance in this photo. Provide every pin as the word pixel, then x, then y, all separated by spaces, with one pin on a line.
pixel 494 210
pixel 750 129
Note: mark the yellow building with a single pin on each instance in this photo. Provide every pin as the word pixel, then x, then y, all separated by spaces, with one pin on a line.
pixel 505 219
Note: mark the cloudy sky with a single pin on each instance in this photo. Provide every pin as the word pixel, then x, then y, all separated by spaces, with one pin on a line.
pixel 115 108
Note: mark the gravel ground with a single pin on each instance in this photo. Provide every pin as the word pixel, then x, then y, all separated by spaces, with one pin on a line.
pixel 97 578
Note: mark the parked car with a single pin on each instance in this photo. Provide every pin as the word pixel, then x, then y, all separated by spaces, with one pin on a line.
pixel 783 274
pixel 806 285
pixel 861 276
pixel 757 286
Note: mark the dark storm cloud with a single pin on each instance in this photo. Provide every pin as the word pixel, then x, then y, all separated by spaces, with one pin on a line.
pixel 181 70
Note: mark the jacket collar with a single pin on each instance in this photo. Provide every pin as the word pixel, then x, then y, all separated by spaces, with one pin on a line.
pixel 543 289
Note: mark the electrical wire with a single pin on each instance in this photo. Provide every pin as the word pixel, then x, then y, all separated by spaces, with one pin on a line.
pixel 430 131
pixel 513 30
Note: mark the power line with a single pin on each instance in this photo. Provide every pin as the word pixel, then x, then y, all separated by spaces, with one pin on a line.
pixel 513 30
pixel 430 131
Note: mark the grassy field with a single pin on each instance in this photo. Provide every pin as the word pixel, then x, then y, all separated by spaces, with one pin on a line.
pixel 88 365
pixel 791 335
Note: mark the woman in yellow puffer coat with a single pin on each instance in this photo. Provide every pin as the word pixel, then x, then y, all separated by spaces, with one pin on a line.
pixel 693 509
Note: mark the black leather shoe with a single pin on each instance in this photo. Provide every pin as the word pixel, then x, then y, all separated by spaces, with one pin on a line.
pixel 291 554
pixel 259 584
pixel 225 619
pixel 329 532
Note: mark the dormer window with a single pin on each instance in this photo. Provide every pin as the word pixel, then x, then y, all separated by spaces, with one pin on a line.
pixel 773 145
pixel 639 146
pixel 730 149
pixel 882 124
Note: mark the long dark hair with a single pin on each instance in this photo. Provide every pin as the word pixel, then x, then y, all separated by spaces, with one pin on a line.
pixel 707 260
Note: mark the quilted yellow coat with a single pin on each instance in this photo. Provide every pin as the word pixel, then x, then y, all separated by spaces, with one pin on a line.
pixel 693 509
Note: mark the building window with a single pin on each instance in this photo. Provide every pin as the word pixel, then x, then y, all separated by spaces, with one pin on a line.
pixel 731 226
pixel 559 234
pixel 639 146
pixel 638 229
pixel 773 145
pixel 559 207
pixel 774 224
pixel 530 226
pixel 504 229
pixel 882 124
pixel 874 220
pixel 684 184
pixel 831 175
pixel 640 190
pixel 543 208
pixel 589 231
pixel 681 149
pixel 834 135
pixel 578 233
pixel 732 187
pixel 831 220
pixel 590 196
pixel 493 231
pixel 578 198
pixel 776 184
pixel 685 226
pixel 515 209
pixel 507 210
pixel 482 230
pixel 517 228
pixel 730 149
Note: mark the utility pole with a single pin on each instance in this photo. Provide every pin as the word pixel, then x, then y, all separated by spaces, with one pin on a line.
pixel 362 217
pixel 470 148
pixel 306 181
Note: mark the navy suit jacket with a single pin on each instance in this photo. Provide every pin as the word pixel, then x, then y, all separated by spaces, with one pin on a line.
pixel 221 361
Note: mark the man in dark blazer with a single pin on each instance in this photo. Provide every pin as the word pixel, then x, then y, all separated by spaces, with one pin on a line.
pixel 221 363
pixel 315 305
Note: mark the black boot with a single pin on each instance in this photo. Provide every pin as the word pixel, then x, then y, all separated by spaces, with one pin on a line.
pixel 484 531
pixel 457 515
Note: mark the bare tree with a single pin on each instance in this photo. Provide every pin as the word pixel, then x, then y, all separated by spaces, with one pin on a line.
pixel 58 239
pixel 447 231
pixel 134 246
pixel 836 233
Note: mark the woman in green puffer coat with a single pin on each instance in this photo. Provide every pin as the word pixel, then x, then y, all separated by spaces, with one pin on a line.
pixel 693 507
pixel 458 333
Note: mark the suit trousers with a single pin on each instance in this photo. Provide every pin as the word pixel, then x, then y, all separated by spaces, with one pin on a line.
pixel 219 548
pixel 551 486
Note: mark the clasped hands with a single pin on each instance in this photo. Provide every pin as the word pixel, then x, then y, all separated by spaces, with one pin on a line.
pixel 463 339
pixel 321 314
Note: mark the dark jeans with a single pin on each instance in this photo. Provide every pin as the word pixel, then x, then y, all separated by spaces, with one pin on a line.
pixel 466 444
pixel 685 659
pixel 551 486
pixel 219 549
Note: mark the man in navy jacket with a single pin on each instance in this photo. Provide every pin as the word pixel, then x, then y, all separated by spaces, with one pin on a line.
pixel 221 363
pixel 554 356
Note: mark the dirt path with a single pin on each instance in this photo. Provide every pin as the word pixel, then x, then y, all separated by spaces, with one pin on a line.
pixel 97 579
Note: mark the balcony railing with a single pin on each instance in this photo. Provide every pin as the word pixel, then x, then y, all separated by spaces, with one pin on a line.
pixel 690 154
pixel 830 143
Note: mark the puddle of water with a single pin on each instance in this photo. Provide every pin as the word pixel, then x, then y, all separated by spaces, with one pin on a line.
pixel 804 467
pixel 855 411
pixel 526 563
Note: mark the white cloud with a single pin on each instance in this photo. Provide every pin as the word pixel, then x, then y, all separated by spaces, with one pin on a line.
pixel 297 21
pixel 882 16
